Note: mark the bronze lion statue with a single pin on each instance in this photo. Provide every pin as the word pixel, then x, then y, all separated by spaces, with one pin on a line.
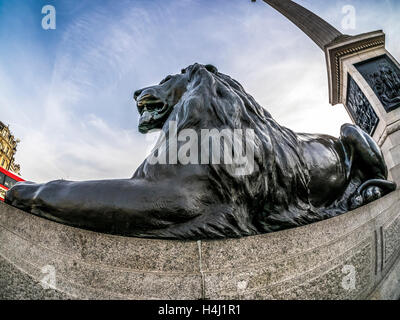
pixel 295 179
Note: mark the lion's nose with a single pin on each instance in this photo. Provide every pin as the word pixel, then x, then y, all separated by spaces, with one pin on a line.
pixel 137 93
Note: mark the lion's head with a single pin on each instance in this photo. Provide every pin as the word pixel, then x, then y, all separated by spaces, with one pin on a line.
pixel 155 103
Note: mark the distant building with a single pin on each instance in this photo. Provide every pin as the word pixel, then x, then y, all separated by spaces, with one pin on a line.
pixel 8 148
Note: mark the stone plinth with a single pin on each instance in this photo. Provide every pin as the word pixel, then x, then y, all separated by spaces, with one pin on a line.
pixel 352 63
pixel 311 262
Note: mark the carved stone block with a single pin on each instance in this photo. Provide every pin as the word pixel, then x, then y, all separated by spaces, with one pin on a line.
pixel 391 240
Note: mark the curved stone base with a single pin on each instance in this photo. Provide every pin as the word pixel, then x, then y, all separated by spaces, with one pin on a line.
pixel 354 256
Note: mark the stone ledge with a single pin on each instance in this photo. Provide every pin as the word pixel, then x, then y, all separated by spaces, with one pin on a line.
pixel 301 263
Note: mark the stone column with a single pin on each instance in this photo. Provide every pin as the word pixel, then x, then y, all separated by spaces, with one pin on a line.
pixel 365 78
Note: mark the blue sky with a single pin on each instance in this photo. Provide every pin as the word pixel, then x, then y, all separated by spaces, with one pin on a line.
pixel 67 93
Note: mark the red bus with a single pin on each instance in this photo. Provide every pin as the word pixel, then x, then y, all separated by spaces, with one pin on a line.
pixel 7 180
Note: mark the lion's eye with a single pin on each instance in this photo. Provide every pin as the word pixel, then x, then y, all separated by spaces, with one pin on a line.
pixel 166 79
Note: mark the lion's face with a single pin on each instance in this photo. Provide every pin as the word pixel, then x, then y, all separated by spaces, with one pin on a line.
pixel 156 103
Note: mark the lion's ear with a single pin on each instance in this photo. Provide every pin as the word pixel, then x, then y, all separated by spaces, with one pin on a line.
pixel 211 68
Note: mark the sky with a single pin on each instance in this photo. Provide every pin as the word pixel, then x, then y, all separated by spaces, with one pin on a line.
pixel 67 93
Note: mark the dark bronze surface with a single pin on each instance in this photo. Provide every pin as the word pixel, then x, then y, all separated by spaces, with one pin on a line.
pixel 297 178
pixel 384 78
pixel 361 110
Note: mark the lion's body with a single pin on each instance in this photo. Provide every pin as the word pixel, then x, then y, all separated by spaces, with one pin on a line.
pixel 296 178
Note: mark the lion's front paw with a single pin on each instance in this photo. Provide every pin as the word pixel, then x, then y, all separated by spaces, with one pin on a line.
pixel 22 195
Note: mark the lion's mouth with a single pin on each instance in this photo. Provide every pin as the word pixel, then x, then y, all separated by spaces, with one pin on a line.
pixel 152 111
